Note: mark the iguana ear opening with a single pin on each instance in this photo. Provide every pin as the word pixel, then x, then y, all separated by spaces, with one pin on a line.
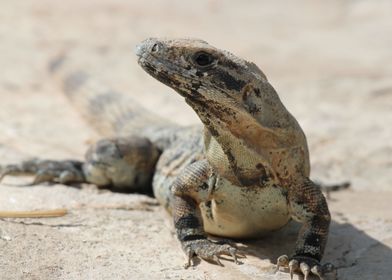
pixel 246 92
pixel 251 99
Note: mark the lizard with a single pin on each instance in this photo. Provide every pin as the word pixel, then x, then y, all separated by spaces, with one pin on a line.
pixel 243 174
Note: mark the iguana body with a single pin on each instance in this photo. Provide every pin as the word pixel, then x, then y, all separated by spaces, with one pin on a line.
pixel 244 174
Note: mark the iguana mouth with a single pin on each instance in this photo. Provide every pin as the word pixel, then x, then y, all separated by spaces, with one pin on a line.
pixel 154 58
pixel 168 75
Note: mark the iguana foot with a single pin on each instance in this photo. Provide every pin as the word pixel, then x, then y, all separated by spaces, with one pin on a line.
pixel 304 265
pixel 209 251
pixel 64 172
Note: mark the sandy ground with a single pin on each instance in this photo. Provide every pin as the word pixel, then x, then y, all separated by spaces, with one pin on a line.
pixel 329 61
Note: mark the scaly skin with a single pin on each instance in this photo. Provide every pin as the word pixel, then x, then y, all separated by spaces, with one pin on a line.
pixel 245 174
pixel 256 157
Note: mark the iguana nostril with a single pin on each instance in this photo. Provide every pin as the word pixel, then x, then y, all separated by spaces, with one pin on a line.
pixel 139 50
pixel 155 48
pixel 148 46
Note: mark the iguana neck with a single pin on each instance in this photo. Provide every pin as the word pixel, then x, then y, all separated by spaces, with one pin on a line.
pixel 258 120
pixel 245 136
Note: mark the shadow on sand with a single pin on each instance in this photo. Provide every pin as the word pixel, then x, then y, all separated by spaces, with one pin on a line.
pixel 356 255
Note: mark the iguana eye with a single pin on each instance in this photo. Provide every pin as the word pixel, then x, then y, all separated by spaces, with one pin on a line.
pixel 203 59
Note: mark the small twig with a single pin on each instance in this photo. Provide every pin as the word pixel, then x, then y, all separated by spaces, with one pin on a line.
pixel 34 214
pixel 143 207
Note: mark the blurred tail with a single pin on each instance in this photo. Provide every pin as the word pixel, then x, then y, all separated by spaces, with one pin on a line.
pixel 109 112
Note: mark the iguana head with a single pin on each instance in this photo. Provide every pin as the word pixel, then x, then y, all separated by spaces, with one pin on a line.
pixel 213 78
pixel 192 66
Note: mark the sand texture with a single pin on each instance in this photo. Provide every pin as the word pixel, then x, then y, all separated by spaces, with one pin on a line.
pixel 330 62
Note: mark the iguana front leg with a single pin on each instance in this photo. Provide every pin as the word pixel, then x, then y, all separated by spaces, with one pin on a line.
pixel 190 188
pixel 308 206
pixel 126 164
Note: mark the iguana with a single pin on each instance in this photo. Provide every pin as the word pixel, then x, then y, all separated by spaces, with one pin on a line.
pixel 243 174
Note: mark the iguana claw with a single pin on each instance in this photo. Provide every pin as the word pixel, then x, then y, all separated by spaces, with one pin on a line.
pixel 293 265
pixel 305 269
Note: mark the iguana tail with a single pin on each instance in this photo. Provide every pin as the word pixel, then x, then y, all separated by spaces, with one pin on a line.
pixel 108 111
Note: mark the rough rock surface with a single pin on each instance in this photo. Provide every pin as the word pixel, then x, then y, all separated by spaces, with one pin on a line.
pixel 328 60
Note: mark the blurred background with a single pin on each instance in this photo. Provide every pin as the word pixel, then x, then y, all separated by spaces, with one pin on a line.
pixel 330 62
